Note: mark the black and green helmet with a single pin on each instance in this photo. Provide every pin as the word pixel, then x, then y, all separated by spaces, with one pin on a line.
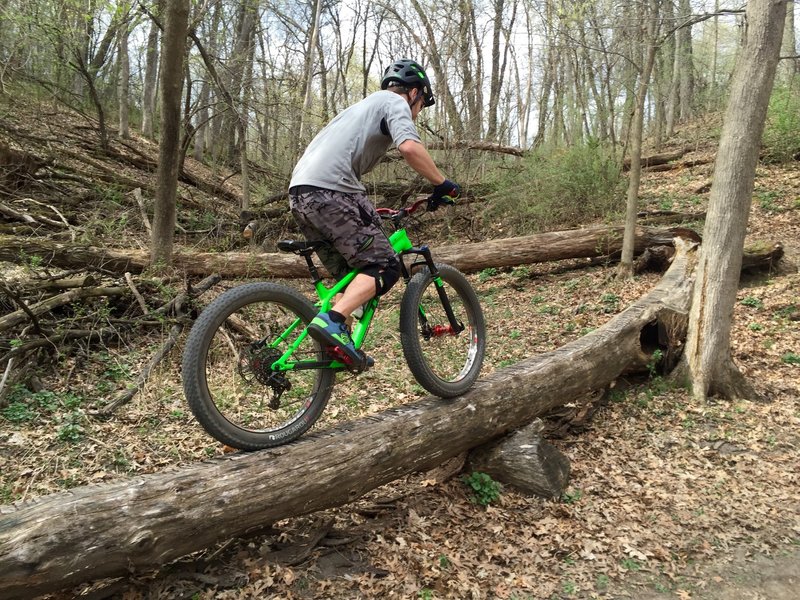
pixel 407 72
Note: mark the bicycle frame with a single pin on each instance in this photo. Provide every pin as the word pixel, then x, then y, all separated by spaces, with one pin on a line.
pixel 402 246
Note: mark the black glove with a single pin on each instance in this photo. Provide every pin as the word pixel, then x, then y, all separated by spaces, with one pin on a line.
pixel 446 192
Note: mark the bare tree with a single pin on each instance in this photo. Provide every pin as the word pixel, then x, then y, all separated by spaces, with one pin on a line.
pixel 790 63
pixel 707 364
pixel 636 134
pixel 150 88
pixel 174 50
pixel 124 72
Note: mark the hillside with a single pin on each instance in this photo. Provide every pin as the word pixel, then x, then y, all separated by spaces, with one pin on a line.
pixel 666 495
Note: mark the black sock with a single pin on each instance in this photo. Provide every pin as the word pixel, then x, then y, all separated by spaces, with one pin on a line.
pixel 336 317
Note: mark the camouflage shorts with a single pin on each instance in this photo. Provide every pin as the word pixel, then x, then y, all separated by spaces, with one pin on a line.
pixel 348 222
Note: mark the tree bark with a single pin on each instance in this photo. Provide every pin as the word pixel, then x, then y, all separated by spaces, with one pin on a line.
pixel 104 531
pixel 636 134
pixel 707 364
pixel 525 461
pixel 150 83
pixel 177 24
pixel 124 74
pixel 790 66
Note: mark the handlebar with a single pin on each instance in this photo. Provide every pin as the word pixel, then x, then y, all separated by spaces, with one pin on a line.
pixel 396 215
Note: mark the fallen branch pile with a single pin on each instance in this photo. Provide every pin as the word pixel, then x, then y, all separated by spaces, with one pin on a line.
pixel 52 315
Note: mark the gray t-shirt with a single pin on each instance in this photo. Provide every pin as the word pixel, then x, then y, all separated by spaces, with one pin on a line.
pixel 354 142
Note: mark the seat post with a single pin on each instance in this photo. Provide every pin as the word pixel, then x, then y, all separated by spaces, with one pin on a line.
pixel 312 268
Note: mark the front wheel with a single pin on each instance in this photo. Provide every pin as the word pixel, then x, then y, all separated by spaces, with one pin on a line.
pixel 228 377
pixel 446 361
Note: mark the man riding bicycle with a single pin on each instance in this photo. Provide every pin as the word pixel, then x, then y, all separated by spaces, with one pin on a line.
pixel 330 204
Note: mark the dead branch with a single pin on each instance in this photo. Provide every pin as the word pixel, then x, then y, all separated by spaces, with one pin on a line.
pixel 175 305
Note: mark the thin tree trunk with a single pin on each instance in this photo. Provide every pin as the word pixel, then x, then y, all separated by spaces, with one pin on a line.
pixel 176 28
pixel 308 73
pixel 789 66
pixel 686 64
pixel 124 76
pixel 707 364
pixel 150 90
pixel 636 134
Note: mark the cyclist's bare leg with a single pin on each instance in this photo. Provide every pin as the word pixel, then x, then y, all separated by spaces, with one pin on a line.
pixel 361 289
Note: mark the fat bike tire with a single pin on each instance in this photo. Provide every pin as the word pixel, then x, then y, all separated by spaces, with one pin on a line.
pixel 227 377
pixel 445 363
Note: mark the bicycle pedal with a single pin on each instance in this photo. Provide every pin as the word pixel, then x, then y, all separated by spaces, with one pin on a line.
pixel 354 366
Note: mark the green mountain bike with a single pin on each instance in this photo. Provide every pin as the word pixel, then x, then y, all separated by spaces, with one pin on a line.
pixel 255 379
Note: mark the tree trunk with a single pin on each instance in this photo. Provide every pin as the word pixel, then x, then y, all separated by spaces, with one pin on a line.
pixel 177 22
pixel 469 258
pixel 124 75
pixel 308 73
pixel 105 531
pixel 544 247
pixel 150 90
pixel 686 71
pixel 707 363
pixel 789 66
pixel 636 134
pixel 525 461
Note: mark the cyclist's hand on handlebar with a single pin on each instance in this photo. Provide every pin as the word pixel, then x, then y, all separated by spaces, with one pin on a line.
pixel 446 192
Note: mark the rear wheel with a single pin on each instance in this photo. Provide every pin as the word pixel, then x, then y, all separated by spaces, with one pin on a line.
pixel 445 361
pixel 227 376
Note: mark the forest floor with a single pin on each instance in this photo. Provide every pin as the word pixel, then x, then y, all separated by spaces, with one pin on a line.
pixel 668 497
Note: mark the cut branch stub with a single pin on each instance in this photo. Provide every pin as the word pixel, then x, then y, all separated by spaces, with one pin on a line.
pixel 525 461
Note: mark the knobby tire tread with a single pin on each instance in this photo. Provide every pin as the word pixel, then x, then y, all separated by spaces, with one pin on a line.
pixel 410 337
pixel 194 361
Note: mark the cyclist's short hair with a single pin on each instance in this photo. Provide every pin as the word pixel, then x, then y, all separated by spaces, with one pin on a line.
pixel 398 88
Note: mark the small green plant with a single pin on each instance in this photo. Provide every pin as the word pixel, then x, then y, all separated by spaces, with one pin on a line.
pixel 549 309
pixel 631 564
pixel 755 327
pixel 487 274
pixel 569 587
pixel 70 433
pixel 791 358
pixel 787 311
pixel 523 272
pixel 18 412
pixel 572 496
pixel 485 490
pixel 602 581
pixel 767 201
pixel 752 302
pixel 425 594
pixel 655 360
pixel 444 562
pixel 610 302
pixel 665 204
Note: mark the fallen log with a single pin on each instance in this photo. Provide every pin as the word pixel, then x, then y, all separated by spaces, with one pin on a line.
pixel 658 159
pixel 543 247
pixel 108 530
pixel 686 164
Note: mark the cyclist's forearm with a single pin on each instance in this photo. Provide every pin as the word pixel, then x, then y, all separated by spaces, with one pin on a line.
pixel 417 157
